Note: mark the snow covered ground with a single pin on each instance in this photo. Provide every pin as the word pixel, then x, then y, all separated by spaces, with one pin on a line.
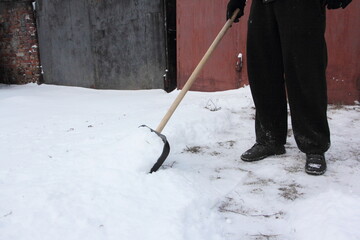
pixel 73 165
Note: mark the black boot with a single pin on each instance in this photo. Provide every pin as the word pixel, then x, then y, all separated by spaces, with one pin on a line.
pixel 261 151
pixel 315 164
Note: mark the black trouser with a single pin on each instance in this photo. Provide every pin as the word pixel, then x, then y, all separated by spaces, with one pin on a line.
pixel 287 57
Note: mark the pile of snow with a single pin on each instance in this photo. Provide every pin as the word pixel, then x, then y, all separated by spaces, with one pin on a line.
pixel 74 165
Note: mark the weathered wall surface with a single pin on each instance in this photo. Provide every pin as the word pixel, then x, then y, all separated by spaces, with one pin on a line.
pixel 19 58
pixel 198 28
pixel 198 23
pixel 343 42
pixel 102 44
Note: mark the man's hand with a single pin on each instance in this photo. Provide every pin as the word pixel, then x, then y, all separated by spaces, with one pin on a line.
pixel 335 4
pixel 232 6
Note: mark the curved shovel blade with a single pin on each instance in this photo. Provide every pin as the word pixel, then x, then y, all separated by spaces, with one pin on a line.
pixel 165 152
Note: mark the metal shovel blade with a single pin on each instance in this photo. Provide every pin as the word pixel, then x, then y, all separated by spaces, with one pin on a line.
pixel 165 152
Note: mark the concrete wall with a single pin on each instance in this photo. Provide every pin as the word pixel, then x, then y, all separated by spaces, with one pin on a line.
pixel 102 44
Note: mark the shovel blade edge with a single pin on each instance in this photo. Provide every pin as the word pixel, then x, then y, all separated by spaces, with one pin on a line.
pixel 165 152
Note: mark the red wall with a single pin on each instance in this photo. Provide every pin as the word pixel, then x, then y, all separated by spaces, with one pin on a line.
pixel 198 23
pixel 343 41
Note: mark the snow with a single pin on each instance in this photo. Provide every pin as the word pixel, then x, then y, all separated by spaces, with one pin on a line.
pixel 74 165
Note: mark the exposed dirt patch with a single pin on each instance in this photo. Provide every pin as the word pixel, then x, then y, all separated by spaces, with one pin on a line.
pixel 194 149
pixel 261 236
pixel 229 205
pixel 291 192
pixel 261 182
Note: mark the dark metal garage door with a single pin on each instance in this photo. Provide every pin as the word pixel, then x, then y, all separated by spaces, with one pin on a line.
pixel 102 44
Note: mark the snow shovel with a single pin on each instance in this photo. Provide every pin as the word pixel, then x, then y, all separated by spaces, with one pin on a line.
pixel 188 84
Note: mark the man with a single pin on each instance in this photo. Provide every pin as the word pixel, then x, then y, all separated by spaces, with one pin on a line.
pixel 287 58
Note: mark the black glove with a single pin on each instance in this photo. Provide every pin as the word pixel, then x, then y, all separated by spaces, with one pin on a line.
pixel 335 4
pixel 232 6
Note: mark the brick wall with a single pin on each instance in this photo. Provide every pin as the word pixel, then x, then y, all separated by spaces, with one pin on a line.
pixel 19 57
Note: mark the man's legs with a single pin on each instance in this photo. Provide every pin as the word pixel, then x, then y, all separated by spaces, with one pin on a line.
pixel 287 38
pixel 266 77
pixel 302 29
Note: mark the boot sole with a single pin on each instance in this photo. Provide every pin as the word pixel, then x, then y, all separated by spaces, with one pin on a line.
pixel 262 157
pixel 315 173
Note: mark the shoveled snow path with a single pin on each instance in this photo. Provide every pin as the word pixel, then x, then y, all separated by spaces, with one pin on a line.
pixel 73 165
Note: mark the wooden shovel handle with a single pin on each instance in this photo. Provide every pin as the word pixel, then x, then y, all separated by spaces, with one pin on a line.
pixel 196 72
